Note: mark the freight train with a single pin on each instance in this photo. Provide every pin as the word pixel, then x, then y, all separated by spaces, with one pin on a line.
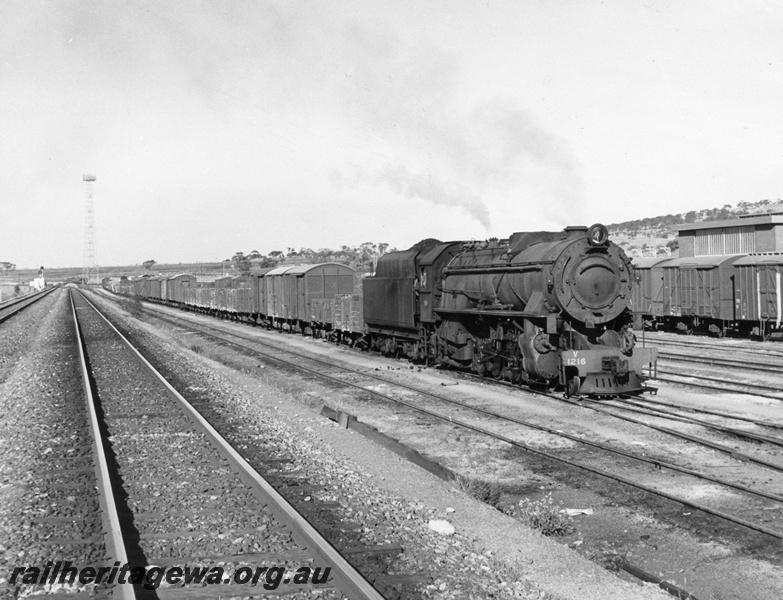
pixel 737 294
pixel 543 309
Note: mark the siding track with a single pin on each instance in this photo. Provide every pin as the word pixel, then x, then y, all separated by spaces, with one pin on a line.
pixel 9 308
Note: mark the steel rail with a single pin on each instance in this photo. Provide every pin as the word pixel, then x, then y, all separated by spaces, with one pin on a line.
pixel 17 305
pixel 746 392
pixel 650 411
pixel 691 438
pixel 716 413
pixel 715 360
pixel 719 380
pixel 748 349
pixel 598 471
pixel 351 581
pixel 115 542
pixel 686 436
pixel 522 445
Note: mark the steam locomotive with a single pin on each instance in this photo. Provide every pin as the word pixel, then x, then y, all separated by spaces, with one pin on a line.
pixel 544 309
pixel 541 308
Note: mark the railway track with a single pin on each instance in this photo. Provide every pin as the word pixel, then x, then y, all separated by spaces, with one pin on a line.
pixel 650 408
pixel 718 384
pixel 113 538
pixel 729 345
pixel 673 409
pixel 9 308
pixel 184 497
pixel 503 427
pixel 51 481
pixel 723 367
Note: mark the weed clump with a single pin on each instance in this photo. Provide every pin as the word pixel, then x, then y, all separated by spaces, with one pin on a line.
pixel 542 515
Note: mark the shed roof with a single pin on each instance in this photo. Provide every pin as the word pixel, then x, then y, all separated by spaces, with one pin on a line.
pixel 743 221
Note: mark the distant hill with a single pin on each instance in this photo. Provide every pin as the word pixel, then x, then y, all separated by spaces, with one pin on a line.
pixel 654 236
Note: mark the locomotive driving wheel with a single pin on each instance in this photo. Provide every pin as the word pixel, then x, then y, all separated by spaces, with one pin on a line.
pixel 495 367
pixel 487 364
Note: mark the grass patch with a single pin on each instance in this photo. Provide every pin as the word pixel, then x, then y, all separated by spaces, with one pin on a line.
pixel 488 492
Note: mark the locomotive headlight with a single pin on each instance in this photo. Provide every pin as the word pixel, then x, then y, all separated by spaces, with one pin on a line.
pixel 597 235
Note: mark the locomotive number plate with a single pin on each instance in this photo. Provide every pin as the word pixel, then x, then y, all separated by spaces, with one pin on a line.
pixel 575 361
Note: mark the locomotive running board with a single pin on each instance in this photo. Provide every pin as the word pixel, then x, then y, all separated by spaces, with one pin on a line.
pixel 490 313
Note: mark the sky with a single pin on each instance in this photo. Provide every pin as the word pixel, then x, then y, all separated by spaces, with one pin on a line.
pixel 224 126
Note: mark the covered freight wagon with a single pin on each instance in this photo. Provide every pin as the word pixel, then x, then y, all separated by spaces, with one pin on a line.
pixel 154 287
pixel 140 287
pixel 306 287
pixel 698 291
pixel 258 293
pixel 273 294
pixel 243 299
pixel 175 286
pixel 757 293
pixel 647 293
pixel 346 314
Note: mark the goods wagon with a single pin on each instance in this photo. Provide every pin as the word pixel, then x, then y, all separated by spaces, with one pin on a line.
pixel 175 286
pixel 154 287
pixel 306 287
pixel 125 286
pixel 720 294
pixel 274 297
pixel 698 292
pixel 346 316
pixel 647 293
pixel 243 302
pixel 757 294
pixel 140 287
pixel 340 317
pixel 258 294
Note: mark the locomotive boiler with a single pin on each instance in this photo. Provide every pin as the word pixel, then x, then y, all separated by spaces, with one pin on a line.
pixel 541 308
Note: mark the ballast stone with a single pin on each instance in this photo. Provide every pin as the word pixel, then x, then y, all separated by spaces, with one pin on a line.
pixel 442 526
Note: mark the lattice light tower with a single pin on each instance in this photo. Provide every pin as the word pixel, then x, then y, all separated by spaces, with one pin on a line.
pixel 90 270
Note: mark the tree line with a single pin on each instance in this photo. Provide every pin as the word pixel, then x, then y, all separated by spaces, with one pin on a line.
pixel 360 256
pixel 664 223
